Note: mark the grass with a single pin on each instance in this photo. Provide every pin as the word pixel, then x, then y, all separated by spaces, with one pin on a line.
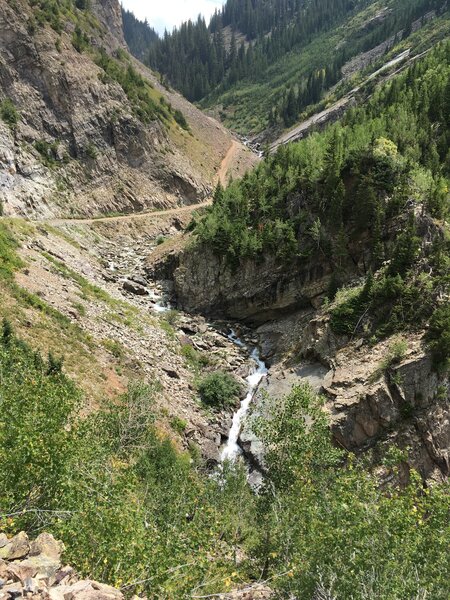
pixel 195 359
pixel 167 328
pixel 42 325
pixel 178 425
pixel 121 311
pixel 115 348
pixel 396 353
pixel 8 112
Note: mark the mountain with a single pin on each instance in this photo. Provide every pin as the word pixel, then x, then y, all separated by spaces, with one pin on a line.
pixel 139 34
pixel 88 130
pixel 263 65
pixel 240 393
pixel 331 240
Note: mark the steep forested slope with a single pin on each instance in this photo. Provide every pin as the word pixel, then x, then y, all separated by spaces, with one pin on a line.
pixel 369 195
pixel 139 35
pixel 263 63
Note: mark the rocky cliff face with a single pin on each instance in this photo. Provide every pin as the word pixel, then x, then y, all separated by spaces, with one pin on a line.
pixel 405 405
pixel 76 144
pixel 372 406
pixel 255 292
pixel 109 14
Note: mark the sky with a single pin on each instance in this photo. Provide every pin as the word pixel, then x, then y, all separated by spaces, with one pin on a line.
pixel 165 14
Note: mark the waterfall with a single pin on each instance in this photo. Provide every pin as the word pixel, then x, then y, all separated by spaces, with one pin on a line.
pixel 232 450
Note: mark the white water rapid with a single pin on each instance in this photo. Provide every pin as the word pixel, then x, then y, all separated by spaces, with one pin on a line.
pixel 232 450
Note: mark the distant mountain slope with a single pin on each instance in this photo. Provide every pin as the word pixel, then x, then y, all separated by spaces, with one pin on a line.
pixel 139 35
pixel 84 128
pixel 261 65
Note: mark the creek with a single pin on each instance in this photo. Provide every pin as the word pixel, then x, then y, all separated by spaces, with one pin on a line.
pixel 232 450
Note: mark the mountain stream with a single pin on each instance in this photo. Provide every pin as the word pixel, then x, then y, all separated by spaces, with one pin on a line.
pixel 232 450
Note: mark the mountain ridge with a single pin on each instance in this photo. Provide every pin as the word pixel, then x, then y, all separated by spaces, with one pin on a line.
pixel 102 138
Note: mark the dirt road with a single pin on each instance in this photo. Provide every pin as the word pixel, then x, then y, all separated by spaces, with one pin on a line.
pixel 227 162
pixel 221 176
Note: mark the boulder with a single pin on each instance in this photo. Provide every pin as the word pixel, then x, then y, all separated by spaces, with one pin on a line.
pixel 86 590
pixel 13 590
pixel 139 280
pixel 46 544
pixel 134 288
pixel 17 547
pixel 41 566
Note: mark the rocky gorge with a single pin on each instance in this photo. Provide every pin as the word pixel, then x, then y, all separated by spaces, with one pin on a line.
pixel 76 144
pixel 218 374
pixel 371 406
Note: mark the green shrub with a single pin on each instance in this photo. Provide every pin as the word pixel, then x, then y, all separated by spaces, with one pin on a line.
pixel 8 112
pixel 80 40
pixel 115 348
pixel 219 390
pixel 178 425
pixel 91 151
pixel 36 402
pixel 82 4
pixel 168 328
pixel 181 120
pixel 326 521
pixel 48 152
pixel 195 359
pixel 396 353
pixel 348 307
pixel 171 316
pixel 439 336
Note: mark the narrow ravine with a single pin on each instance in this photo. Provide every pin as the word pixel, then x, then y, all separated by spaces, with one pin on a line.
pixel 160 303
pixel 232 450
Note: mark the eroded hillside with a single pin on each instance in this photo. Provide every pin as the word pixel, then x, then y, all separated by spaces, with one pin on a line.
pixel 86 130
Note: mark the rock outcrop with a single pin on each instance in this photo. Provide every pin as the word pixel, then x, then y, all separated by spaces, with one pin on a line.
pixel 77 144
pixel 256 292
pixel 35 570
pixel 405 405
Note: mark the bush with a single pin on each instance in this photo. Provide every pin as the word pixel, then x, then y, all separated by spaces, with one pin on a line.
pixel 219 390
pixel 8 112
pixel 195 359
pixel 396 353
pixel 178 425
pixel 48 151
pixel 439 337
pixel 348 308
pixel 80 40
pixel 36 404
pixel 181 120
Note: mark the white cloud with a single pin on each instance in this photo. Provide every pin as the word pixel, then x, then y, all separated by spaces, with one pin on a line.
pixel 166 14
